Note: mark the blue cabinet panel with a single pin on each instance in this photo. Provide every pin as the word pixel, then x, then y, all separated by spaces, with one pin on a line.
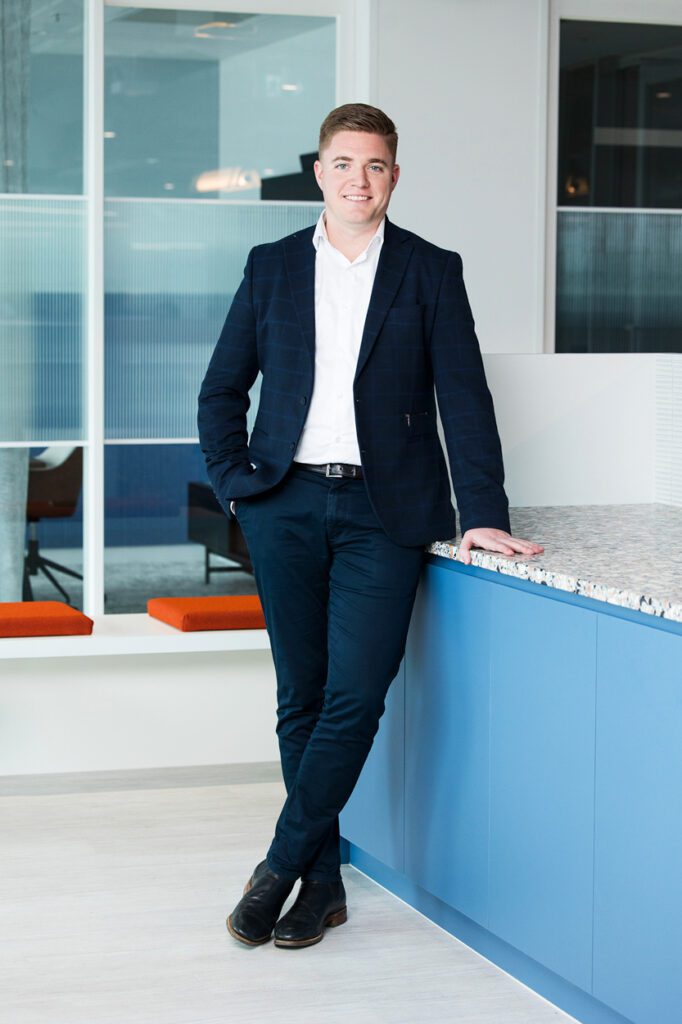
pixel 446 740
pixel 638 841
pixel 373 817
pixel 542 705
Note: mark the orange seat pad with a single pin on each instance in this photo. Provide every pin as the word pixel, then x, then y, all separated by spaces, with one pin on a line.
pixel 233 611
pixel 42 618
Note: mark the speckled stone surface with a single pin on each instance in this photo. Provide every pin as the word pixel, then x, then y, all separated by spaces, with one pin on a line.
pixel 627 555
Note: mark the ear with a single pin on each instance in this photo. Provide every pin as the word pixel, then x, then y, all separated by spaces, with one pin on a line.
pixel 395 174
pixel 317 167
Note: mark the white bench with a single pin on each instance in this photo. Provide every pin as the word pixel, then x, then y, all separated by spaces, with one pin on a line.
pixel 136 694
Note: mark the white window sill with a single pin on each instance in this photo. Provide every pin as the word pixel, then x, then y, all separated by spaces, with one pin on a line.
pixel 133 634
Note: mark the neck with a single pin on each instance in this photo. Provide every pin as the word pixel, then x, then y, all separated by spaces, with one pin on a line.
pixel 349 241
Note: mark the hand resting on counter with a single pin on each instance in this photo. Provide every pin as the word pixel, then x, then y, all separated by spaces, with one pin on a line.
pixel 494 540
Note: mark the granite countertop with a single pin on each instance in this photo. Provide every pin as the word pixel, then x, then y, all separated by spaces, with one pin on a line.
pixel 627 555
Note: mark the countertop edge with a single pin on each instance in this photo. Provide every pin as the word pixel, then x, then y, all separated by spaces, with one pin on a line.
pixel 647 604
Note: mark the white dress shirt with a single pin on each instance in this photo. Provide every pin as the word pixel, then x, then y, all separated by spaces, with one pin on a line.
pixel 342 294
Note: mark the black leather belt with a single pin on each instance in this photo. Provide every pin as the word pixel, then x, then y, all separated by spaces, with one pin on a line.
pixel 334 469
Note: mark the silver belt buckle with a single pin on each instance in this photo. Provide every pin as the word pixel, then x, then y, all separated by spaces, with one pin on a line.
pixel 329 466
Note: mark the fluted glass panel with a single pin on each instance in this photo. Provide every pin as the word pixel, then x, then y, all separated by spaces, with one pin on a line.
pixel 171 270
pixel 41 314
pixel 618 281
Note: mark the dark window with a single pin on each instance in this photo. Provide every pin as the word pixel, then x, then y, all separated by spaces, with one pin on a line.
pixel 619 189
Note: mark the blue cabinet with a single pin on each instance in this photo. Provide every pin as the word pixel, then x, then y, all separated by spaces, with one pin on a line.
pixel 446 741
pixel 542 697
pixel 638 837
pixel 525 789
pixel 373 818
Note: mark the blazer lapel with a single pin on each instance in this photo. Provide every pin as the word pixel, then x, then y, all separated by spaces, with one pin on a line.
pixel 393 259
pixel 300 262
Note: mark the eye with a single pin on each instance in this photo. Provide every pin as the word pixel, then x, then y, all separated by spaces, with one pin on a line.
pixel 340 167
pixel 376 167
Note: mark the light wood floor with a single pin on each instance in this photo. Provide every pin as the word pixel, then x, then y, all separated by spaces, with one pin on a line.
pixel 113 893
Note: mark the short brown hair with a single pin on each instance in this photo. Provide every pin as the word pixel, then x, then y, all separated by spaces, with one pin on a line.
pixel 358 117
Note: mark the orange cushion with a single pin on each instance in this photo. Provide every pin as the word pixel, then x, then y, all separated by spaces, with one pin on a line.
pixel 233 611
pixel 42 618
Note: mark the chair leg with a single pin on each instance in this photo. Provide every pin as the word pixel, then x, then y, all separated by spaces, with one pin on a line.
pixel 54 582
pixel 60 568
pixel 27 589
pixel 35 563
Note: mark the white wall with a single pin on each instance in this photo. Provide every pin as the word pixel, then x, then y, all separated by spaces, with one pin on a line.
pixel 466 82
pixel 576 429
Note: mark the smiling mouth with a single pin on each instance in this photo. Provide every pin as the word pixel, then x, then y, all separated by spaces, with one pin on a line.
pixel 357 199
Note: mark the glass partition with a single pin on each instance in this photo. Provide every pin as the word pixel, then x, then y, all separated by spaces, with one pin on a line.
pixel 210 132
pixel 42 227
pixel 171 270
pixel 41 318
pixel 618 281
pixel 619 223
pixel 211 126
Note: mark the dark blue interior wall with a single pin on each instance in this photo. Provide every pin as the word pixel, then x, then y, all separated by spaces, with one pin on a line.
pixel 146 492
pixel 145 497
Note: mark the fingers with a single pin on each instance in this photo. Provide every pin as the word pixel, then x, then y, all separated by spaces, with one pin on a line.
pixel 463 552
pixel 464 555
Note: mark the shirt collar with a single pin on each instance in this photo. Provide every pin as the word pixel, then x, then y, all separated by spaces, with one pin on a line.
pixel 321 233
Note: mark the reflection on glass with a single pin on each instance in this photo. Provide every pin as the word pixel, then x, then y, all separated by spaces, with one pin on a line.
pixel 160 522
pixel 620 115
pixel 41 88
pixel 618 282
pixel 199 105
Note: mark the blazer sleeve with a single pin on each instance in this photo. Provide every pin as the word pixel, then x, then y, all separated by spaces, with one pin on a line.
pixel 224 395
pixel 466 408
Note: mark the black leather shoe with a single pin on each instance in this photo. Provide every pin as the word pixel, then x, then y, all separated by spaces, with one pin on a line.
pixel 318 905
pixel 254 917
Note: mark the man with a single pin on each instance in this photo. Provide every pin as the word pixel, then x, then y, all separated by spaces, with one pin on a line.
pixel 342 484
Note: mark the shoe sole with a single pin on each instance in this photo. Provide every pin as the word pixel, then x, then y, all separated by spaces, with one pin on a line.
pixel 333 921
pixel 242 938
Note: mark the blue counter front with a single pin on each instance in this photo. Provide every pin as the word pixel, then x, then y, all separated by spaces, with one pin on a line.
pixel 525 789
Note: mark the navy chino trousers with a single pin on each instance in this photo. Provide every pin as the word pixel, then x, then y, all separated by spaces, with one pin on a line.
pixel 337 596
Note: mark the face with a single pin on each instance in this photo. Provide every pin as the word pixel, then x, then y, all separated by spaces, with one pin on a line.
pixel 357 176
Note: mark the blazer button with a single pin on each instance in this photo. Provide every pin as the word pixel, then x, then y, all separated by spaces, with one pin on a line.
pixel 302 400
pixel 292 446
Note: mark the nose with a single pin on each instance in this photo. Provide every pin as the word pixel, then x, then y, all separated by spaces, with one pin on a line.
pixel 360 178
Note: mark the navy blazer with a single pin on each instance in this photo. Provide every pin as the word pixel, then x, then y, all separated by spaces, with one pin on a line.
pixel 419 331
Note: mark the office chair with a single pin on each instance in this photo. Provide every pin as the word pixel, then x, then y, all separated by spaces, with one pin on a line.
pixel 54 485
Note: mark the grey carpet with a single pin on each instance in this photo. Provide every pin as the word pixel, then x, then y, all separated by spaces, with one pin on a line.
pixel 133 575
